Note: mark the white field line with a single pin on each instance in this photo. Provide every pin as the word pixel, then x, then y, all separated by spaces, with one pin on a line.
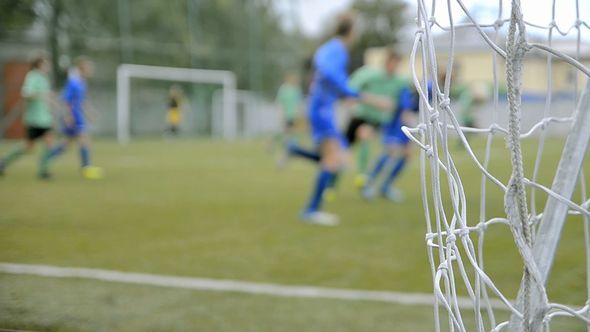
pixel 230 285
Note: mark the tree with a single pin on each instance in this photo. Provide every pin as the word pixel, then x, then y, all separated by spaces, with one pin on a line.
pixel 16 14
pixel 380 22
pixel 242 36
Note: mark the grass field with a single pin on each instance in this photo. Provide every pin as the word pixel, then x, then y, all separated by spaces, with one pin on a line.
pixel 218 210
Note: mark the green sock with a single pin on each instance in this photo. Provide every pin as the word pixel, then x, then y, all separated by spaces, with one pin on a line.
pixel 363 157
pixel 44 160
pixel 13 155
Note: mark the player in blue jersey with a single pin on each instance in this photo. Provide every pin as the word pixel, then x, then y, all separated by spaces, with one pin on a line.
pixel 397 149
pixel 74 121
pixel 330 84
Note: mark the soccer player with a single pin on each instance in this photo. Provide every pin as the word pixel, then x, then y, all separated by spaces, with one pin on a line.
pixel 173 114
pixel 289 98
pixel 74 120
pixel 38 120
pixel 329 84
pixel 368 119
pixel 397 149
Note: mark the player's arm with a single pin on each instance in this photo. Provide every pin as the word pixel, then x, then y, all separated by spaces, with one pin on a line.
pixel 331 66
pixel 408 103
pixel 69 96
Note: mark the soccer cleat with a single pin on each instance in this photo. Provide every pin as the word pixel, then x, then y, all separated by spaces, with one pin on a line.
pixel 320 218
pixel 92 173
pixel 368 193
pixel 360 180
pixel 393 195
pixel 330 195
pixel 44 176
pixel 283 159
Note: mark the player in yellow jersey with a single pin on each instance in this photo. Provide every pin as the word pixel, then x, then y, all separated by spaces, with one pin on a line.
pixel 174 112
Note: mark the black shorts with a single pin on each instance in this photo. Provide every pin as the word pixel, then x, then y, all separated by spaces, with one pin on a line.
pixel 34 133
pixel 354 125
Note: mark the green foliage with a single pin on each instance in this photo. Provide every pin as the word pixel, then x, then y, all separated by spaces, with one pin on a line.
pixel 380 23
pixel 16 14
pixel 242 36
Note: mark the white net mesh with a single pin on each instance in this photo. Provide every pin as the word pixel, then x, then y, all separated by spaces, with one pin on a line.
pixel 535 208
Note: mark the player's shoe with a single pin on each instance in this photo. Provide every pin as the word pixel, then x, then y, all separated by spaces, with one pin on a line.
pixel 330 195
pixel 283 159
pixel 393 195
pixel 360 180
pixel 320 218
pixel 284 156
pixel 45 176
pixel 368 193
pixel 92 173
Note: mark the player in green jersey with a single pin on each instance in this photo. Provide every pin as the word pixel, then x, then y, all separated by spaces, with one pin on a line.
pixel 38 120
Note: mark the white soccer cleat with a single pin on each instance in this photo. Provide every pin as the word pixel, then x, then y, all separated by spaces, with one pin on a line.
pixel 283 160
pixel 320 218
pixel 369 193
pixel 394 195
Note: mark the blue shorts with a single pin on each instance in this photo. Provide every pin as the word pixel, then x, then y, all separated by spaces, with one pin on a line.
pixel 396 137
pixel 74 131
pixel 323 126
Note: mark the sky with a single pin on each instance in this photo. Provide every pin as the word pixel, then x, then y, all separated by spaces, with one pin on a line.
pixel 312 14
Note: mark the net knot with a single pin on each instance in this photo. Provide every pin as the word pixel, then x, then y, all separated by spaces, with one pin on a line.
pixel 494 128
pixel 579 23
pixel 434 116
pixel 429 151
pixel 451 238
pixel 445 102
pixel 552 24
pixel 482 227
pixel 498 24
pixel 463 232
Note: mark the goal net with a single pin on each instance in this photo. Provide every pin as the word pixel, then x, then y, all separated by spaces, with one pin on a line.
pixel 536 61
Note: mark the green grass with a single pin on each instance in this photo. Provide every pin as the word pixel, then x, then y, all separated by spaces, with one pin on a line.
pixel 218 210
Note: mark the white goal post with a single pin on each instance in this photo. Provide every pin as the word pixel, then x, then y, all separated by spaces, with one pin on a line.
pixel 226 79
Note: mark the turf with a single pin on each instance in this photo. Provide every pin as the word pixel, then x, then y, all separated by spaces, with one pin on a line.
pixel 218 210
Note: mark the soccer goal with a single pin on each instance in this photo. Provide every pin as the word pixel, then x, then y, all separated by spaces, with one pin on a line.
pixel 538 47
pixel 255 115
pixel 127 72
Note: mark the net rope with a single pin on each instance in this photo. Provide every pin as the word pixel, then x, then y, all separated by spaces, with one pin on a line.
pixel 455 245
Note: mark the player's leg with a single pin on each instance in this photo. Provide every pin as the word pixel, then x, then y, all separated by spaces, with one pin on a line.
pixel 352 138
pixel 88 170
pixel 401 154
pixel 20 149
pixel 84 149
pixel 384 159
pixel 294 150
pixel 330 163
pixel 364 134
pixel 57 150
pixel 48 142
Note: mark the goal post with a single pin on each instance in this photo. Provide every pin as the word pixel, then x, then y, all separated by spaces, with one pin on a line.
pixel 126 72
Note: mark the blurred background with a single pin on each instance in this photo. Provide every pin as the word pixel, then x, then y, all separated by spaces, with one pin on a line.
pixel 259 41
